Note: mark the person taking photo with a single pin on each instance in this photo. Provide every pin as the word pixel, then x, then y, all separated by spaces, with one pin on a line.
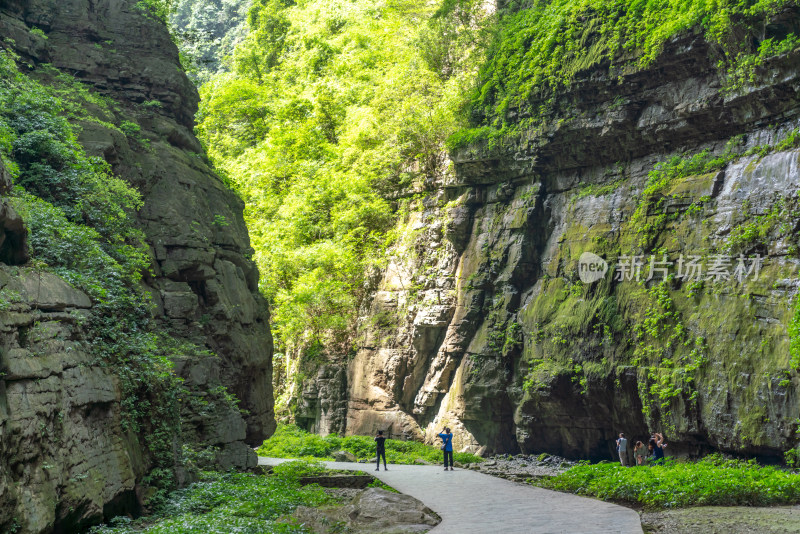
pixel 447 447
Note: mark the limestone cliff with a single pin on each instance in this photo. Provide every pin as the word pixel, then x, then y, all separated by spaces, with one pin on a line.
pixel 66 459
pixel 480 320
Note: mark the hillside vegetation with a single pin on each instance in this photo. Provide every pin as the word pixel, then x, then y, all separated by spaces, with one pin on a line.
pixel 333 113
pixel 539 50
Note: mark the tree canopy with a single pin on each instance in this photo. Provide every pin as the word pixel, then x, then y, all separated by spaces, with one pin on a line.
pixel 331 112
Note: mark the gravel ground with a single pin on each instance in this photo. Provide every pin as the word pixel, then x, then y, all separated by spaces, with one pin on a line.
pixel 522 468
pixel 724 520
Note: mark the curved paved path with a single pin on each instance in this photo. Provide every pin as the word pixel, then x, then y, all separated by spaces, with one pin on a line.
pixel 473 503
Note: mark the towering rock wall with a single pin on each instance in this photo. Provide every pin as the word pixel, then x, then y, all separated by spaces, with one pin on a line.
pixel 480 320
pixel 66 459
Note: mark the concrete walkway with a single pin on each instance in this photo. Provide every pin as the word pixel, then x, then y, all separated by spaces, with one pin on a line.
pixel 473 503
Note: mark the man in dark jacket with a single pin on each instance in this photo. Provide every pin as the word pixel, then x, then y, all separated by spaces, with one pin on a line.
pixel 380 450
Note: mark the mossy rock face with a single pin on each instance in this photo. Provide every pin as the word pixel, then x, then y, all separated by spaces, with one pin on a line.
pixel 534 359
pixel 65 455
pixel 69 460
pixel 710 358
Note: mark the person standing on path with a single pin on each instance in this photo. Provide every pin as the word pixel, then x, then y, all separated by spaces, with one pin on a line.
pixel 622 448
pixel 380 450
pixel 447 447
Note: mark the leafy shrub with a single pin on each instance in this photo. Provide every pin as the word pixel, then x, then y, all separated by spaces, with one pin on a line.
pixel 130 128
pixel 38 32
pixel 713 481
pixel 289 441
pixel 298 468
pixel 157 9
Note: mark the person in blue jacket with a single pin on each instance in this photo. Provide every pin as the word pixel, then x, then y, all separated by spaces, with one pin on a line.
pixel 447 447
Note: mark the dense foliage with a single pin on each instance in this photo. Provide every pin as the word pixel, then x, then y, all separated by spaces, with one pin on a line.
pixel 540 49
pixel 292 442
pixel 233 502
pixel 332 108
pixel 711 481
pixel 206 32
pixel 78 211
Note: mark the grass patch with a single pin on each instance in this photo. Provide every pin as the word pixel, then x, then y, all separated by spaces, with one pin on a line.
pixel 231 502
pixel 712 481
pixel 289 441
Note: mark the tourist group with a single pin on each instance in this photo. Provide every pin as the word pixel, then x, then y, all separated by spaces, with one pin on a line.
pixel 650 454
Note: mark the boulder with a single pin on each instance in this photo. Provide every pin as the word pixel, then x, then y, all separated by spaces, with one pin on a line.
pixel 373 511
pixel 379 510
pixel 48 292
pixel 344 456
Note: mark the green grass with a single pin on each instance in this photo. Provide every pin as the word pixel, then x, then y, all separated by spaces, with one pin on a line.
pixel 221 503
pixel 712 481
pixel 292 442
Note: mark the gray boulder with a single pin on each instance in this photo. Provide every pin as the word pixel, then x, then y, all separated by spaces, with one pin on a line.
pixel 344 456
pixel 373 511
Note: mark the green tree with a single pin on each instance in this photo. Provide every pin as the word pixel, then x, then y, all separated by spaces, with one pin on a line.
pixel 331 108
